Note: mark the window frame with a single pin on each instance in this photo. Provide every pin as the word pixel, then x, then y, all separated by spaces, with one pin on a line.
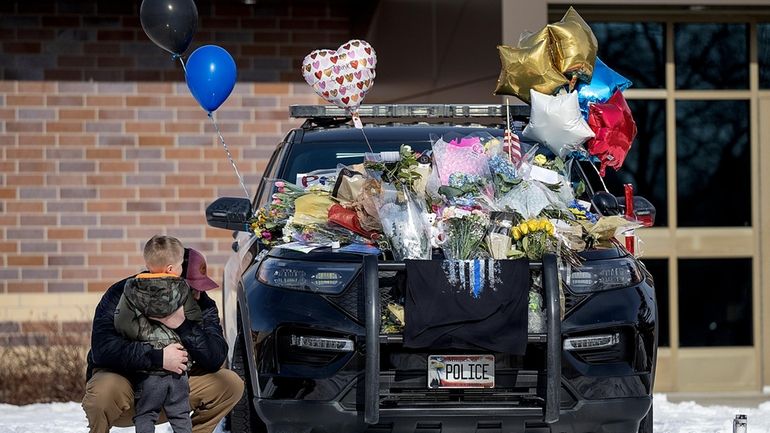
pixel 674 242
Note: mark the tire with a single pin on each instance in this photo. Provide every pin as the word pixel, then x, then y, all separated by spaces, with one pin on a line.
pixel 646 425
pixel 244 418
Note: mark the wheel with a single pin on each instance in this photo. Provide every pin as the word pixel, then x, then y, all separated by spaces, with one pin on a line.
pixel 244 418
pixel 646 425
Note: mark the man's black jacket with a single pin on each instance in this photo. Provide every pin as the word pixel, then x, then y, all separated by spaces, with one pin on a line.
pixel 204 341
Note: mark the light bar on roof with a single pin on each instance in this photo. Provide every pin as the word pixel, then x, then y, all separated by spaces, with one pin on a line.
pixel 409 110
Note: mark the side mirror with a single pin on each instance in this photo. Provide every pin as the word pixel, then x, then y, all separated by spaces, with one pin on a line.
pixel 229 213
pixel 605 203
pixel 644 211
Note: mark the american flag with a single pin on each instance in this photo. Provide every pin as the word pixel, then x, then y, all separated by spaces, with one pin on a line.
pixel 511 142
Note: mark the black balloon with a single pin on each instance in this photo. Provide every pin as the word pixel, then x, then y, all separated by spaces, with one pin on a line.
pixel 169 23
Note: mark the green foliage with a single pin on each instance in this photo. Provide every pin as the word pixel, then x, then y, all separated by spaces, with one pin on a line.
pixel 403 173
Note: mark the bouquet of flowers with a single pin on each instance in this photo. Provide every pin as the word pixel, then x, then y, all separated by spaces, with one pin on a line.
pixel 269 220
pixel 464 190
pixel 403 173
pixel 533 238
pixel 581 212
pixel 464 231
pixel 401 216
pixel 603 232
pixel 459 154
pixel 503 174
pixel 529 198
pixel 463 167
pixel 319 234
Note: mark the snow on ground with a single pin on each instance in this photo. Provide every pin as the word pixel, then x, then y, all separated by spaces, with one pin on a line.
pixel 686 417
pixel 55 418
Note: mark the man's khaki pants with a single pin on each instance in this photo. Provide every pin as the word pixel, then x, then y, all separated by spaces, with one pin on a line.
pixel 109 400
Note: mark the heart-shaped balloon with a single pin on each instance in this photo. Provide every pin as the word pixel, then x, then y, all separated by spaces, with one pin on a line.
pixel 343 76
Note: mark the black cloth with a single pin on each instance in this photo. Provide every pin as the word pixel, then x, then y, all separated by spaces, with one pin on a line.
pixel 171 392
pixel 471 304
pixel 204 341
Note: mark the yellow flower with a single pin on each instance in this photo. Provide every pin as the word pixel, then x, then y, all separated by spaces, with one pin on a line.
pixel 540 159
pixel 550 228
pixel 524 229
pixel 516 234
pixel 533 225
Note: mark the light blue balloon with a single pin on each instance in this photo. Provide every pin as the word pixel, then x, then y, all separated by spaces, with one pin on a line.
pixel 604 83
pixel 210 75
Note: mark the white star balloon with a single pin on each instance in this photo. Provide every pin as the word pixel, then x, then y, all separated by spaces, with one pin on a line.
pixel 556 122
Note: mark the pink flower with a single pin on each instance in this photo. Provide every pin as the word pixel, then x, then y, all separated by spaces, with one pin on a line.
pixel 266 235
pixel 277 201
pixel 280 184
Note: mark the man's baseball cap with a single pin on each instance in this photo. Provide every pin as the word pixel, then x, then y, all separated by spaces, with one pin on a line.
pixel 195 271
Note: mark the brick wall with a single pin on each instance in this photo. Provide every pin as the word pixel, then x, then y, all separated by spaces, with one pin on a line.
pixel 103 40
pixel 101 144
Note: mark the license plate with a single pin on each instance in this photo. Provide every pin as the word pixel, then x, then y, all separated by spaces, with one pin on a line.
pixel 461 371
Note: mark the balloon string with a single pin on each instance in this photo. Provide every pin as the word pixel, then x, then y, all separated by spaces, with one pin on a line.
pixel 367 140
pixel 184 68
pixel 229 156
pixel 600 177
pixel 181 60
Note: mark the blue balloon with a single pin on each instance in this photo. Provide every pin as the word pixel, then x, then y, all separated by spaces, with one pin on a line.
pixel 604 83
pixel 210 74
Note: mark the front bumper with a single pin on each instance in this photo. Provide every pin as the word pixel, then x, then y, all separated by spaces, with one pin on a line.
pixel 599 416
pixel 312 399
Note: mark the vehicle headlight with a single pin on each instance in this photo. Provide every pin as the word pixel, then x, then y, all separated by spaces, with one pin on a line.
pixel 316 277
pixel 601 275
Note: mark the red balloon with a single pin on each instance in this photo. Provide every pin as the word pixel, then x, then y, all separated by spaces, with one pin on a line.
pixel 615 130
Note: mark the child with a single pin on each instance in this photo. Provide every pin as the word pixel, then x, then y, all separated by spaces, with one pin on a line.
pixel 157 294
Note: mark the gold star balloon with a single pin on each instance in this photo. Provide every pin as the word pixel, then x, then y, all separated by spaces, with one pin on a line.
pixel 574 46
pixel 528 66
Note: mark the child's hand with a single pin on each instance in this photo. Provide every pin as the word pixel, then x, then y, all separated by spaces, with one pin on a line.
pixel 175 358
pixel 173 320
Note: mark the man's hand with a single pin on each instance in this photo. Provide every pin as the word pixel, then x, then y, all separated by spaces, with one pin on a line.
pixel 175 358
pixel 173 320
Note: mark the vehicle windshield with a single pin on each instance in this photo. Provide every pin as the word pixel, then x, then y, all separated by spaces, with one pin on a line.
pixel 320 151
pixel 327 157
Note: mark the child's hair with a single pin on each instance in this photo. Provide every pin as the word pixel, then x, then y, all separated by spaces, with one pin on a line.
pixel 161 251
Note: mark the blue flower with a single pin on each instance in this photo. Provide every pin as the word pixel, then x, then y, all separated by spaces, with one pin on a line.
pixel 503 167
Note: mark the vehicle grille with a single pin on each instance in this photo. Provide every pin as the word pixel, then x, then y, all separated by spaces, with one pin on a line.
pixel 403 389
pixel 572 300
pixel 393 287
pixel 352 299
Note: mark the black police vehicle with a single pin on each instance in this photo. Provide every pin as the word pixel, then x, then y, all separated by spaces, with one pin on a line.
pixel 314 358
